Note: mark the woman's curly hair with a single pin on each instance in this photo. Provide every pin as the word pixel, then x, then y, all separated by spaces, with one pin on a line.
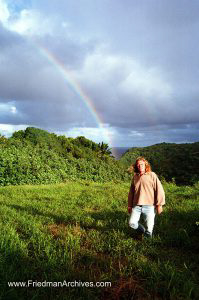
pixel 134 167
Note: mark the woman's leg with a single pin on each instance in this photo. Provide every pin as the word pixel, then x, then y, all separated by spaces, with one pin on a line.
pixel 135 217
pixel 149 216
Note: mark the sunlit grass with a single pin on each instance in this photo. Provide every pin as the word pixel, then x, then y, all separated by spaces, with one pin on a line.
pixel 79 231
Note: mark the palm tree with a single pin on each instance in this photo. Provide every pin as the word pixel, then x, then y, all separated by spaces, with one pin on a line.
pixel 104 149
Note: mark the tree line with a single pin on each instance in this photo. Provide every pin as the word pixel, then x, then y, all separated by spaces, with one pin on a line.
pixel 172 162
pixel 35 156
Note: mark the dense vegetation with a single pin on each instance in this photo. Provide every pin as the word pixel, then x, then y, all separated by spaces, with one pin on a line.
pixel 78 231
pixel 35 156
pixel 173 162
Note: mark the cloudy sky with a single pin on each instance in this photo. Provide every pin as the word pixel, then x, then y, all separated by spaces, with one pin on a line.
pixel 122 71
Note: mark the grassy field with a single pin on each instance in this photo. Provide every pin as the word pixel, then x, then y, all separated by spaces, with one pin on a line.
pixel 78 231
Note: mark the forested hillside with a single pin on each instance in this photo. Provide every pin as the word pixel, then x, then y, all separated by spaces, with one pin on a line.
pixel 179 162
pixel 35 156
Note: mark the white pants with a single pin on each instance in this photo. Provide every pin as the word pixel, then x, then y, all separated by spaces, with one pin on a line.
pixel 148 212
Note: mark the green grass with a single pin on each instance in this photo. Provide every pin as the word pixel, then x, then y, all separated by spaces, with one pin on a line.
pixel 79 231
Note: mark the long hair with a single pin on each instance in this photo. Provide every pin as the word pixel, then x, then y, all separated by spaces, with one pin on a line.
pixel 134 167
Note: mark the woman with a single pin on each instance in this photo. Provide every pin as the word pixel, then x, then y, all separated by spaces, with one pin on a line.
pixel 146 196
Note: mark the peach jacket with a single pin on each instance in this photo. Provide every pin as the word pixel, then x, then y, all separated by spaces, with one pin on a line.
pixel 146 190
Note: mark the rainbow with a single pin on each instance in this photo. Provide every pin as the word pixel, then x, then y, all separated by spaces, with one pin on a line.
pixel 77 89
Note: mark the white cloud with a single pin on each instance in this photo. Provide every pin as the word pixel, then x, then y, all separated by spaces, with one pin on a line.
pixel 100 134
pixel 8 108
pixel 146 82
pixel 13 110
pixel 134 133
pixel 121 87
pixel 4 12
pixel 31 22
pixel 102 67
pixel 8 129
pixel 125 74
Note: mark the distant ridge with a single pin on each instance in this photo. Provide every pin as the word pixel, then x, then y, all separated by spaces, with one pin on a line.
pixel 173 162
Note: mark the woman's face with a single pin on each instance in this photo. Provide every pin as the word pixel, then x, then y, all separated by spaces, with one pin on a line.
pixel 141 166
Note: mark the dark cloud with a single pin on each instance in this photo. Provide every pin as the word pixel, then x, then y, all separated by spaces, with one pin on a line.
pixel 133 64
pixel 37 87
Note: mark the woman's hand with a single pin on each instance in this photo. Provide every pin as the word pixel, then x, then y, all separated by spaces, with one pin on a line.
pixel 129 209
pixel 159 209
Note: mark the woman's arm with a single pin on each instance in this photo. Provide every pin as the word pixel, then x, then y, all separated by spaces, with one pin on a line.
pixel 130 197
pixel 159 209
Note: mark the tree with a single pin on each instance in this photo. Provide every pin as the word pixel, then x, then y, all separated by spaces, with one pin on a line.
pixel 104 149
pixel 3 140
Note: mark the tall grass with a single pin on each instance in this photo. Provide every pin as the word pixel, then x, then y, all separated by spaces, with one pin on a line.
pixel 79 231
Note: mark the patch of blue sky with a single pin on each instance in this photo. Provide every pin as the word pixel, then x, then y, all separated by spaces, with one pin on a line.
pixel 15 7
